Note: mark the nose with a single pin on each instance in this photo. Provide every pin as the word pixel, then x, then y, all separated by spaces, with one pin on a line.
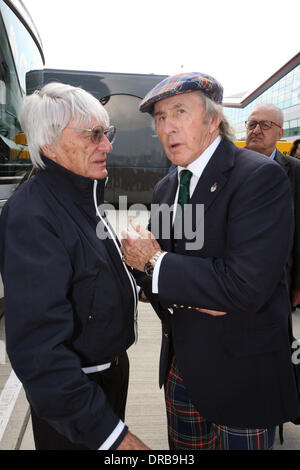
pixel 170 126
pixel 257 129
pixel 105 144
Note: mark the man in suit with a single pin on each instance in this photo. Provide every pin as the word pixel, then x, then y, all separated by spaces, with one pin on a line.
pixel 219 286
pixel 264 129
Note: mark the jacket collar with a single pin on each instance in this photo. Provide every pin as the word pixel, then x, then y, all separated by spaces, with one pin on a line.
pixel 281 158
pixel 283 161
pixel 215 174
pixel 212 179
pixel 76 187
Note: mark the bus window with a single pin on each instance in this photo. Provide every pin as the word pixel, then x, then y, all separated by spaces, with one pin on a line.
pixel 19 53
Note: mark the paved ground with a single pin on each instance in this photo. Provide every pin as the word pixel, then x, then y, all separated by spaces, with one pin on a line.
pixel 145 411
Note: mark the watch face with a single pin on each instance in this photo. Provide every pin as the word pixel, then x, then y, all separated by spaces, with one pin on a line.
pixel 148 269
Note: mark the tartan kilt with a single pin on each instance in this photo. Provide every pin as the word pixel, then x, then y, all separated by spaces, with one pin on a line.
pixel 187 429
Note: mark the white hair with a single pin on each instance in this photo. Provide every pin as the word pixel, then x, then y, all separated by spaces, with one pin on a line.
pixel 47 112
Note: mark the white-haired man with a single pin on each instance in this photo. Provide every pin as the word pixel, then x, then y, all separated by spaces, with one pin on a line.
pixel 70 302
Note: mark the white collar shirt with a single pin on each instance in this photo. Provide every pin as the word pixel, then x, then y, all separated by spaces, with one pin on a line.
pixel 197 167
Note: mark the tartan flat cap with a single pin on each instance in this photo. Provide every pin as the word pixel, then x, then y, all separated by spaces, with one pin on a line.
pixel 182 83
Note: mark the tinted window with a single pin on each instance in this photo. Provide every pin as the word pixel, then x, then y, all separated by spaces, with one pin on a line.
pixel 137 144
pixel 25 52
pixel 137 161
pixel 17 50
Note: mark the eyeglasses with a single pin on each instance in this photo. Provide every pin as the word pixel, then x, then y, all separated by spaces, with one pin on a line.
pixel 264 125
pixel 98 132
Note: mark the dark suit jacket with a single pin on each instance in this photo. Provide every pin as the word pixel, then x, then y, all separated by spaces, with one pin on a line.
pixel 292 167
pixel 237 368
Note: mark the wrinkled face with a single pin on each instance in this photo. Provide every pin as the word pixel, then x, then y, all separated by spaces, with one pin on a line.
pixel 76 152
pixel 180 125
pixel 263 141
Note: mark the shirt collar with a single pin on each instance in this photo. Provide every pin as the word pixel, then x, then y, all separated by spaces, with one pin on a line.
pixel 198 165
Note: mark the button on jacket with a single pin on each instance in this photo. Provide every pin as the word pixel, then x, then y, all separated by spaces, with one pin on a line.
pixel 69 301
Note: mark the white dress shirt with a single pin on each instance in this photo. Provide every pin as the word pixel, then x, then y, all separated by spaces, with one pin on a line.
pixel 196 167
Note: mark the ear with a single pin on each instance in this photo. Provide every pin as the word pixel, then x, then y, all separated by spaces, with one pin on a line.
pixel 215 122
pixel 49 152
pixel 280 133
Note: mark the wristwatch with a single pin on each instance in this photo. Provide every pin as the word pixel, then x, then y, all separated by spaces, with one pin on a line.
pixel 149 266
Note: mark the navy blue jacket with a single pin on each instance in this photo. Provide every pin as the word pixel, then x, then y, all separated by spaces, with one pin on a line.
pixel 292 168
pixel 68 301
pixel 237 368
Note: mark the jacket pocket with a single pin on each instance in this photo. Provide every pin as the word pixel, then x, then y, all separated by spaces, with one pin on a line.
pixel 109 326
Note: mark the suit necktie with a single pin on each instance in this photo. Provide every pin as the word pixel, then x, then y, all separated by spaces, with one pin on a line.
pixel 184 188
pixel 183 198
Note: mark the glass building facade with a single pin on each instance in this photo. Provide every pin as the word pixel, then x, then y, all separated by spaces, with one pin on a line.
pixel 284 93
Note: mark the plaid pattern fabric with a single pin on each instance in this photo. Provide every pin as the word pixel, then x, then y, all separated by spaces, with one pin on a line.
pixel 182 83
pixel 188 430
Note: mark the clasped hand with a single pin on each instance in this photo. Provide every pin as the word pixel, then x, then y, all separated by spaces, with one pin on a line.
pixel 138 246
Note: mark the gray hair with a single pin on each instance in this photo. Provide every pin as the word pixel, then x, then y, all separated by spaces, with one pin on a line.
pixel 213 109
pixel 47 112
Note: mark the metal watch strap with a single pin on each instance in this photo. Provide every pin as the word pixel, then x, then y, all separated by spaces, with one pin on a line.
pixel 149 266
pixel 155 257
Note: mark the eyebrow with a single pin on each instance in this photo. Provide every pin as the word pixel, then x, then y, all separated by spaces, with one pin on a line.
pixel 174 106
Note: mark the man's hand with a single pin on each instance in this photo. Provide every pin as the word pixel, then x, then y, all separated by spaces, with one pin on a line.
pixel 138 246
pixel 295 297
pixel 143 298
pixel 214 313
pixel 131 442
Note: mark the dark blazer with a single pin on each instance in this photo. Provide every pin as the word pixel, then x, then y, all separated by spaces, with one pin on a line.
pixel 68 301
pixel 292 167
pixel 237 368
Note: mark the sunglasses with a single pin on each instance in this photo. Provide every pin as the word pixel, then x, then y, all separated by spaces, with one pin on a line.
pixel 97 133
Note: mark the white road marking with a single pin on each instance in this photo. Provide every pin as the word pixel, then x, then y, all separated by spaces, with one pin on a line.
pixel 2 352
pixel 8 399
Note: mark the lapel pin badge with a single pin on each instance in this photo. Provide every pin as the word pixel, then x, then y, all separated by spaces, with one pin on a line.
pixel 213 188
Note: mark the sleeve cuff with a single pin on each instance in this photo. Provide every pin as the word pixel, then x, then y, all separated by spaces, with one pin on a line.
pixel 156 273
pixel 115 438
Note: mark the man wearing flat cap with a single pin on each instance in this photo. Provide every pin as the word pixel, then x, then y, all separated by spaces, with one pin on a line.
pixel 216 277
